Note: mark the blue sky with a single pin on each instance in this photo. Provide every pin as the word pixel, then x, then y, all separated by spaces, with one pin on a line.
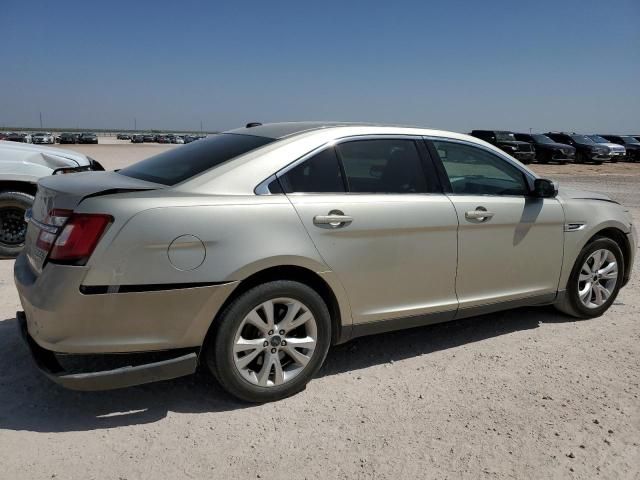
pixel 570 65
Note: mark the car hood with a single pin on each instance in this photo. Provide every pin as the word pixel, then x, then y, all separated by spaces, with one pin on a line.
pixel 515 143
pixel 555 145
pixel 568 193
pixel 45 156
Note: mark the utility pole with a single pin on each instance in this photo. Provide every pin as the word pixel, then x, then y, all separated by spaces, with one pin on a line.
pixel 200 126
pixel 135 124
pixel 529 130
pixel 40 120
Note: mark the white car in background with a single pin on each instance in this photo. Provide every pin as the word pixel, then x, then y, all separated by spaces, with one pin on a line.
pixel 21 166
pixel 618 152
pixel 43 138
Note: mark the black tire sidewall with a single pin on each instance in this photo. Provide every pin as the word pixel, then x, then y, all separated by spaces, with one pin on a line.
pixel 19 200
pixel 572 290
pixel 219 352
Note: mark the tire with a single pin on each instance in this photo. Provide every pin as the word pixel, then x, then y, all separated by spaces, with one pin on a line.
pixel 13 206
pixel 571 303
pixel 245 383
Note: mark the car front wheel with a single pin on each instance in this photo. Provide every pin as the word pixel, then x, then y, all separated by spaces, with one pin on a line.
pixel 270 341
pixel 595 280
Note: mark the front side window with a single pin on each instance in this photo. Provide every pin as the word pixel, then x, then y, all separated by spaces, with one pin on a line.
pixel 318 174
pixel 382 166
pixel 474 171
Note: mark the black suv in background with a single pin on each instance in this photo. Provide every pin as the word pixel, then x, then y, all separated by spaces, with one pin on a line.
pixel 88 138
pixel 68 138
pixel 547 150
pixel 632 144
pixel 586 149
pixel 506 141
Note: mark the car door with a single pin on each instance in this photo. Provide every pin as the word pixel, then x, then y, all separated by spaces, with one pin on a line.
pixel 510 243
pixel 380 224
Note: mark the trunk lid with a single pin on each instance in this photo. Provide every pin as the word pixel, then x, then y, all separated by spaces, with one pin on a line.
pixel 59 193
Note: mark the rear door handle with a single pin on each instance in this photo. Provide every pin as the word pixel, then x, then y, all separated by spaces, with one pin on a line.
pixel 480 213
pixel 335 219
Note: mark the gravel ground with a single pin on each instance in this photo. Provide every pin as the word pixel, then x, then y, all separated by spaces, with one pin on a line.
pixel 527 393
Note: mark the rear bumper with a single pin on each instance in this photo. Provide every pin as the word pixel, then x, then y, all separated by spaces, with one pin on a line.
pixel 62 319
pixel 122 377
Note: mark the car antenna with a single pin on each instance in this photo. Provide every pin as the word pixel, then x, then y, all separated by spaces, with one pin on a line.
pixel 253 124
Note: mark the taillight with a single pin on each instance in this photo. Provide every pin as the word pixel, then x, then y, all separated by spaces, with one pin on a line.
pixel 79 237
pixel 55 219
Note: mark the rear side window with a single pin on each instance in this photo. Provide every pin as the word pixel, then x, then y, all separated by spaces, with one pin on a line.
pixel 184 162
pixel 383 166
pixel 318 174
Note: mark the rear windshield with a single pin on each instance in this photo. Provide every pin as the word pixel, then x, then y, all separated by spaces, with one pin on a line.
pixel 184 162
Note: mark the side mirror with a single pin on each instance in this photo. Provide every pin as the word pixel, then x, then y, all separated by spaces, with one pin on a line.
pixel 544 188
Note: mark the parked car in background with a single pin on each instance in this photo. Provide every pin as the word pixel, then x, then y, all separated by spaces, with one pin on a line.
pixel 181 249
pixel 586 149
pixel 43 138
pixel 507 142
pixel 631 145
pixel 123 136
pixel 19 137
pixel 547 150
pixel 21 166
pixel 88 138
pixel 618 152
pixel 67 137
pixel 137 138
pixel 177 139
pixel 3 135
pixel 149 138
pixel 162 139
pixel 189 139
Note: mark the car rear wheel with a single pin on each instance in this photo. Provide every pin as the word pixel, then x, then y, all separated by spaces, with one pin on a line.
pixel 270 341
pixel 13 228
pixel 595 280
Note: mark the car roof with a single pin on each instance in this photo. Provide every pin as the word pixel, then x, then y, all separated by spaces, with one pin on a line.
pixel 286 129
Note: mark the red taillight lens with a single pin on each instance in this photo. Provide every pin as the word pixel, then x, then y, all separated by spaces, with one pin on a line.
pixel 79 237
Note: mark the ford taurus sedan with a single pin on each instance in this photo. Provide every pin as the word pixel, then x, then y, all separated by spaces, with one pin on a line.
pixel 253 251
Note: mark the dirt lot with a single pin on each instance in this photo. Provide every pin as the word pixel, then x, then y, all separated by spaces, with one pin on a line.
pixel 522 394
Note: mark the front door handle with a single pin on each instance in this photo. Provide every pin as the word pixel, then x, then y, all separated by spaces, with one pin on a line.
pixel 480 213
pixel 334 219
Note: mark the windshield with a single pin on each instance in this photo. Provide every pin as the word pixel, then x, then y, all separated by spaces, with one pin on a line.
pixel 505 137
pixel 175 166
pixel 627 139
pixel 582 139
pixel 598 139
pixel 542 139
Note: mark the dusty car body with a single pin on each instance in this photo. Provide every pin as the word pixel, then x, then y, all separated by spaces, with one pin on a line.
pixel 21 166
pixel 253 251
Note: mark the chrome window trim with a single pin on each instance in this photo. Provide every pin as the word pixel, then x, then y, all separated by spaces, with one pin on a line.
pixel 264 185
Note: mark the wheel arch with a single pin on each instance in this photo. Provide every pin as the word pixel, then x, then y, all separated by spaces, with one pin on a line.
pixel 18 186
pixel 322 282
pixel 621 239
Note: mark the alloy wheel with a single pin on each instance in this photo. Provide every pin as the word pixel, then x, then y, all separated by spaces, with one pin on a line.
pixel 275 342
pixel 598 278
